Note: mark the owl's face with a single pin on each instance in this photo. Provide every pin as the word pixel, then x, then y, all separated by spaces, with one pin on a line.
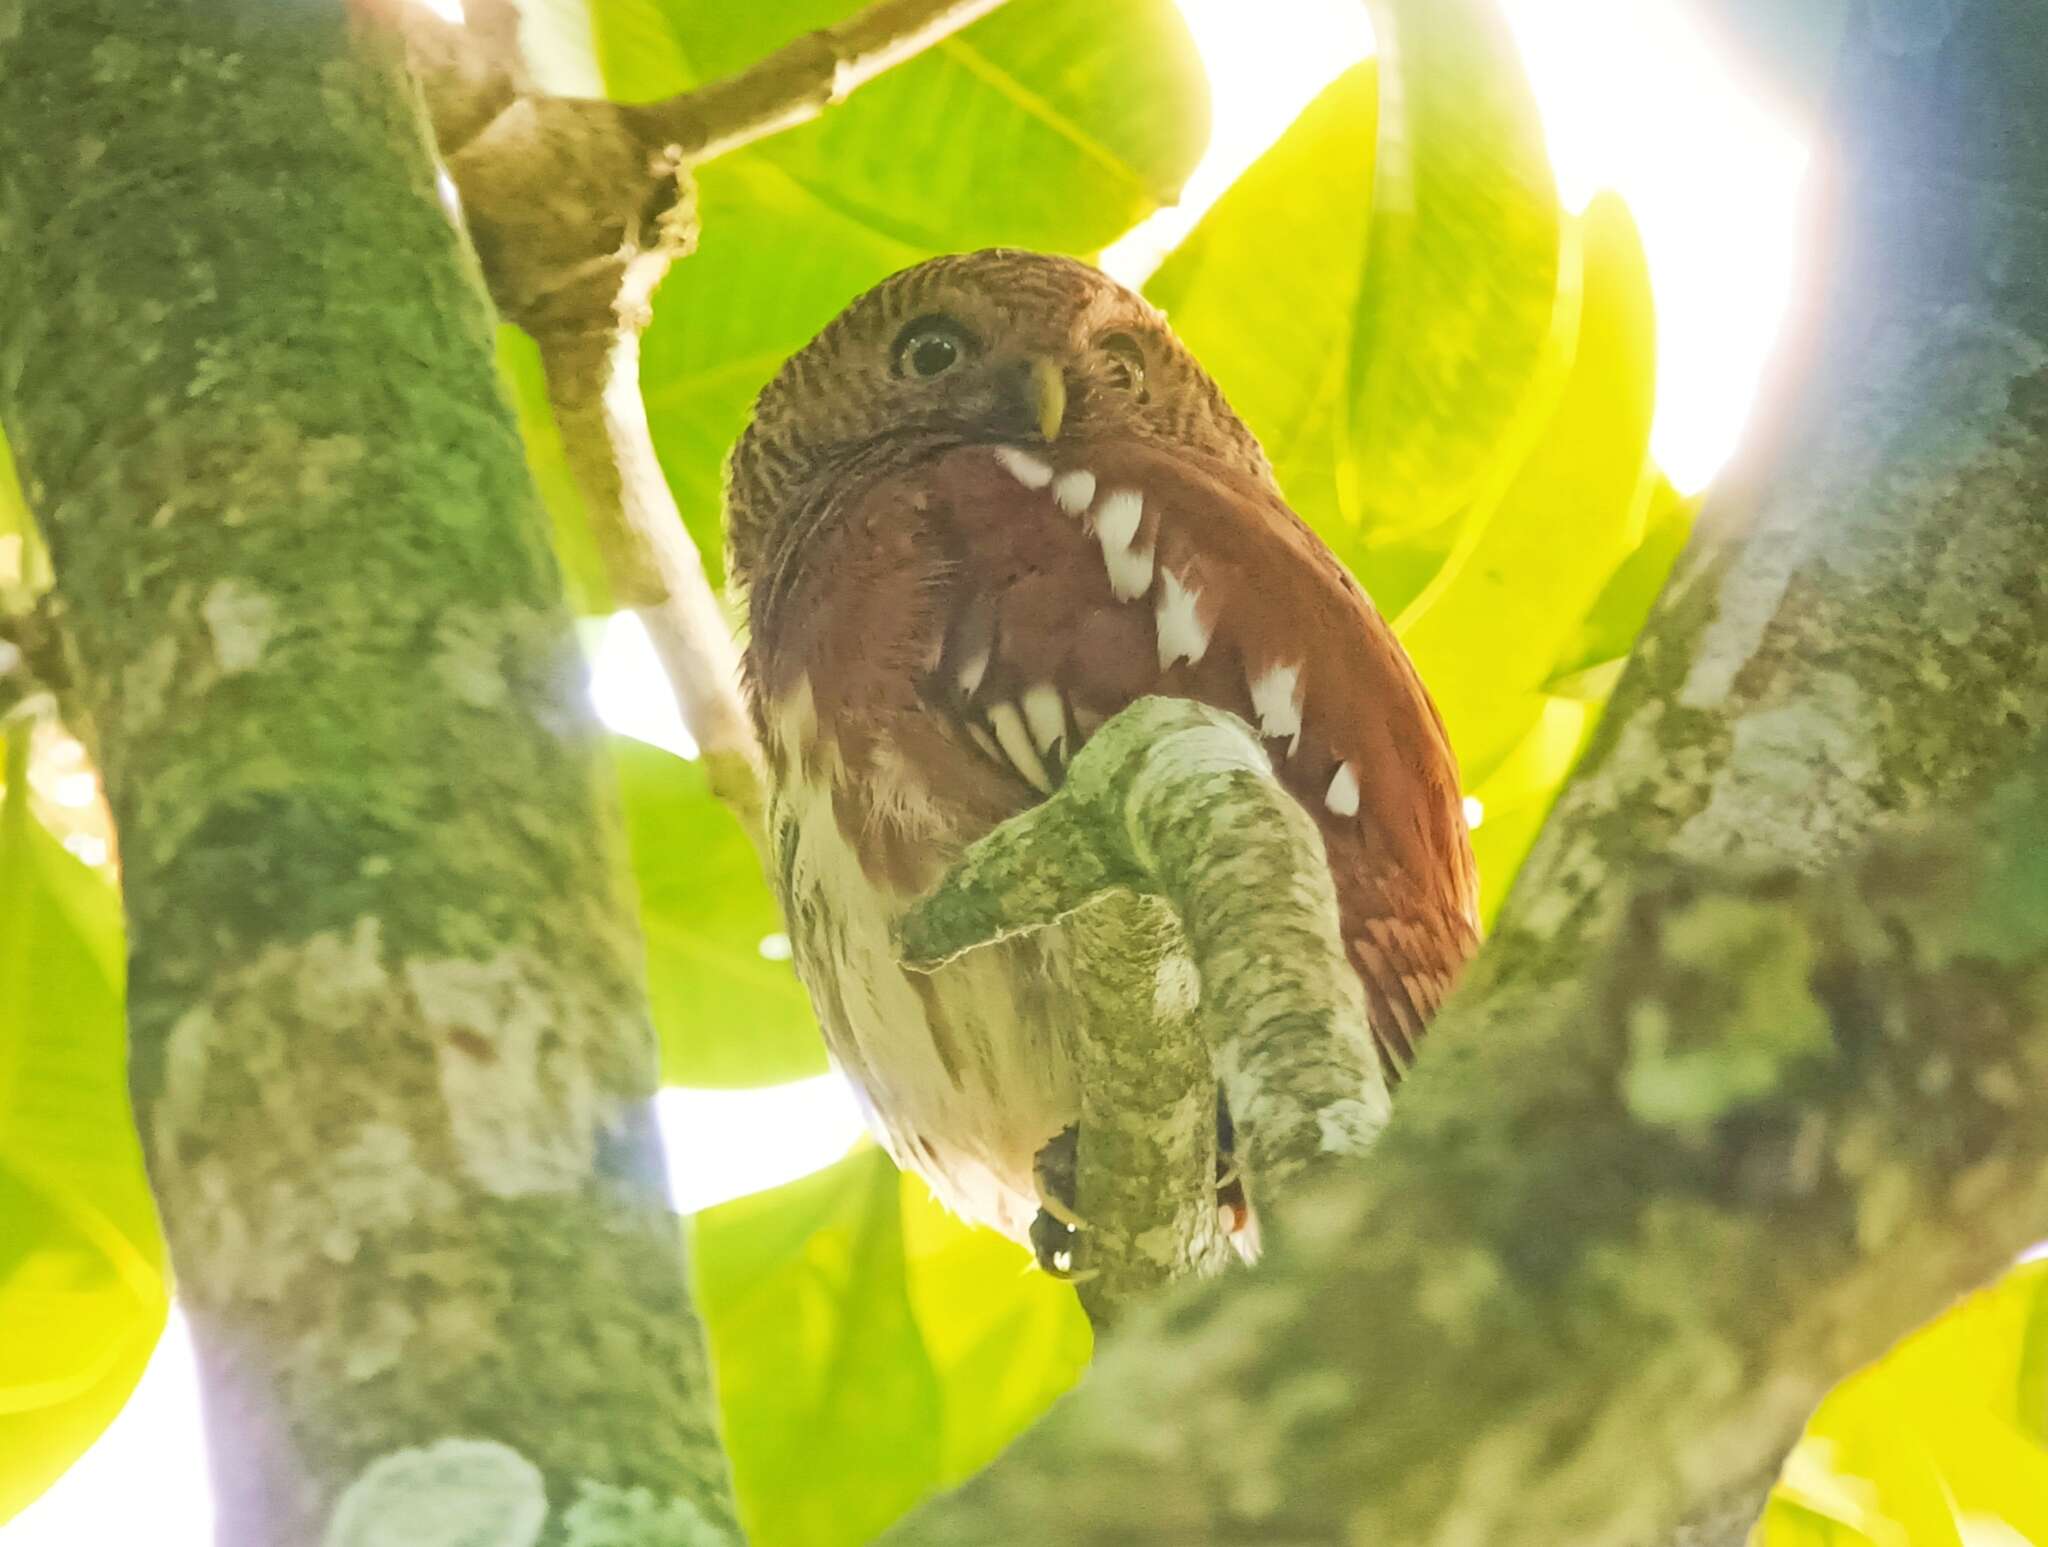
pixel 999 346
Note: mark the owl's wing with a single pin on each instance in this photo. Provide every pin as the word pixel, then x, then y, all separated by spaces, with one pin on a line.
pixel 1078 582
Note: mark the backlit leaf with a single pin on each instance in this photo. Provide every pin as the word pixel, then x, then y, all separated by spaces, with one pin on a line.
pixel 24 562
pixel 1461 271
pixel 1265 288
pixel 830 1405
pixel 726 1001
pixel 1488 630
pixel 869 1348
pixel 1004 1338
pixel 82 1295
pixel 1940 1442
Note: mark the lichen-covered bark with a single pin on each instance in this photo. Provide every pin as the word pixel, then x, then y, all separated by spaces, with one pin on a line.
pixel 1571 1319
pixel 1146 1151
pixel 1747 1083
pixel 1235 978
pixel 389 1054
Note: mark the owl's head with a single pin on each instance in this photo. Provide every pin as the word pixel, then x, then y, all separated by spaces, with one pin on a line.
pixel 995 346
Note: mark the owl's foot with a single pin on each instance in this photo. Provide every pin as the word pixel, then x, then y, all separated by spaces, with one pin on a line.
pixel 1056 1232
pixel 1059 1233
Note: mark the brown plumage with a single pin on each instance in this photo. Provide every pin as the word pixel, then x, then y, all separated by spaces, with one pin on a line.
pixel 991 504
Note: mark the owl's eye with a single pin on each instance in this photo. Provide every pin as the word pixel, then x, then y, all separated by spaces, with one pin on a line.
pixel 1125 362
pixel 931 346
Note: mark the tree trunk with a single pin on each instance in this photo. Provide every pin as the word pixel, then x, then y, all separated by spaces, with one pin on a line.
pixel 389 1052
pixel 1746 1084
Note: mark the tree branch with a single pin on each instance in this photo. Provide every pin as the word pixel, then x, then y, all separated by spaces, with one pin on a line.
pixel 799 81
pixel 1243 981
pixel 1566 1317
pixel 390 1056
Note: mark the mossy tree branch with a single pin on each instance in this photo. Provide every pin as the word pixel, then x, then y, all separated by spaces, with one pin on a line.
pixel 1241 973
pixel 389 1052
pixel 1795 1117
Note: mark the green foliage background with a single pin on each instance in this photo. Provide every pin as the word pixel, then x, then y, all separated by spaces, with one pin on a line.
pixel 1455 381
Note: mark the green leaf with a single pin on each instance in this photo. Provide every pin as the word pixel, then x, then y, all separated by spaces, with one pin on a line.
pixel 1106 107
pixel 583 571
pixel 727 1014
pixel 869 1348
pixel 830 1404
pixel 1397 370
pixel 1940 1442
pixel 1005 1340
pixel 82 1294
pixel 1461 271
pixel 24 562
pixel 1486 633
pixel 1518 794
pixel 1264 289
pixel 2030 1390
pixel 1608 631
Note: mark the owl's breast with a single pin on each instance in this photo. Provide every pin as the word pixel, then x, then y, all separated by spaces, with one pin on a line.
pixel 949 569
pixel 965 1072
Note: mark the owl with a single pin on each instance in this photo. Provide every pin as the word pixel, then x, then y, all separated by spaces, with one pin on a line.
pixel 991 504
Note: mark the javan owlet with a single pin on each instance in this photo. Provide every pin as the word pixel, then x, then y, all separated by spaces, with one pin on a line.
pixel 994 502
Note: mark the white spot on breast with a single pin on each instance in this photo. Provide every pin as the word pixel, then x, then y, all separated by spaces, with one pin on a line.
pixel 1116 519
pixel 962 1083
pixel 899 798
pixel 1073 492
pixel 971 671
pixel 1015 741
pixel 794 726
pixel 1024 467
pixel 1045 716
pixel 1342 796
pixel 984 740
pixel 1130 572
pixel 1182 636
pixel 1276 700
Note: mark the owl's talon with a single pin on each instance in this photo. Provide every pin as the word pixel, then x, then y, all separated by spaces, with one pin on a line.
pixel 1054 1171
pixel 1059 1211
pixel 1057 1229
pixel 1058 1246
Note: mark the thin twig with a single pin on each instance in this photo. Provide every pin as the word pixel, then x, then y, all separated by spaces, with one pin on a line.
pixel 801 79
pixel 654 567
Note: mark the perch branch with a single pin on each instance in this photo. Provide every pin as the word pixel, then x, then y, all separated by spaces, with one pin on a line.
pixel 1177 801
pixel 1575 1295
pixel 800 80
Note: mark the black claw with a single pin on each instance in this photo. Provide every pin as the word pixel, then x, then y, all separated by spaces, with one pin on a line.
pixel 1055 1233
pixel 1056 1245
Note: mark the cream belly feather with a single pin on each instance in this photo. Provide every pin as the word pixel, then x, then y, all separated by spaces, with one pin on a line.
pixel 965 1073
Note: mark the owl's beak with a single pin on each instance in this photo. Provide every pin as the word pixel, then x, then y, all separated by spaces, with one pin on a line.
pixel 1048 396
